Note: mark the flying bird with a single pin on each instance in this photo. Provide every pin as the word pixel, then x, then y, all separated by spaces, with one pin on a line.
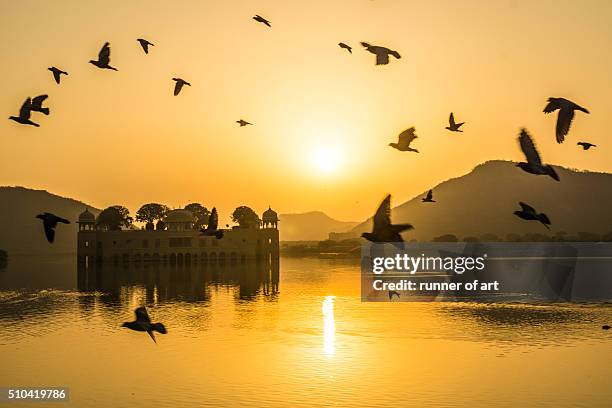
pixel 428 198
pixel 24 114
pixel 346 47
pixel 404 140
pixel 382 53
pixel 49 223
pixel 37 104
pixel 529 213
pixel 452 125
pixel 566 115
pixel 243 122
pixel 57 73
pixel 260 19
pixel 534 163
pixel 393 293
pixel 179 85
pixel 103 58
pixel 143 323
pixel 606 327
pixel 586 145
pixel 212 229
pixel 383 231
pixel 145 44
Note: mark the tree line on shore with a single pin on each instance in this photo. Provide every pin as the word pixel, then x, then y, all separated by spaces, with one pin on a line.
pixel 117 217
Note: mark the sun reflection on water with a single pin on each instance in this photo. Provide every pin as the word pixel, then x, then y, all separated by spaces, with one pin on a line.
pixel 329 326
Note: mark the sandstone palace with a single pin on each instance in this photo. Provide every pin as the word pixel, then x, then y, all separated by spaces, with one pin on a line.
pixel 178 243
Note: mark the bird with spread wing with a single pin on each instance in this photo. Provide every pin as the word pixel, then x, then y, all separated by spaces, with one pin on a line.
pixel 404 140
pixel 383 231
pixel 534 164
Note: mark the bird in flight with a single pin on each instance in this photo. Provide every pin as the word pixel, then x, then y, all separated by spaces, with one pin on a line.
pixel 49 223
pixel 586 145
pixel 404 140
pixel 212 229
pixel 143 323
pixel 260 19
pixel 534 163
pixel 566 115
pixel 243 122
pixel 428 198
pixel 145 44
pixel 393 293
pixel 346 47
pixel 57 73
pixel 452 125
pixel 383 231
pixel 382 53
pixel 24 114
pixel 103 58
pixel 529 213
pixel 179 85
pixel 37 104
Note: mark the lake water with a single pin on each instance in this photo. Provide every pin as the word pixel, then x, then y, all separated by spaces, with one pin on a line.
pixel 296 337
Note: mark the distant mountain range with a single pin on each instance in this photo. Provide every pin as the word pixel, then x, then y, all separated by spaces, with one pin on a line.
pixel 480 202
pixel 310 226
pixel 22 233
pixel 483 201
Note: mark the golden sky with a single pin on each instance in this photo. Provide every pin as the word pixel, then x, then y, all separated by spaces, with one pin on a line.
pixel 123 138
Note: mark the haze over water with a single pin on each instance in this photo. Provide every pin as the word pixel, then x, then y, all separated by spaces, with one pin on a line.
pixel 238 336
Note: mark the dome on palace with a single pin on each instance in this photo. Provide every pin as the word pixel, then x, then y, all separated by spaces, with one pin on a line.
pixel 179 216
pixel 86 216
pixel 269 215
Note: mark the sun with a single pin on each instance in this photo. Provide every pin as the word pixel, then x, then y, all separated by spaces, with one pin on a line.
pixel 325 159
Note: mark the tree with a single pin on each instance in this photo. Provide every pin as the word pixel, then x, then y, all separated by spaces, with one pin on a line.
pixel 114 218
pixel 445 238
pixel 150 213
pixel 246 217
pixel 200 213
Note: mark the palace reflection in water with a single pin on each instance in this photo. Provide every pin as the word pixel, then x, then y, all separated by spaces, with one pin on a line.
pixel 188 283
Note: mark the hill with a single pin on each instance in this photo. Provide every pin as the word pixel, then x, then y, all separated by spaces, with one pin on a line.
pixel 483 201
pixel 22 233
pixel 310 226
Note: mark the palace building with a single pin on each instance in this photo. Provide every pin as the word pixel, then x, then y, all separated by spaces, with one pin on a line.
pixel 178 243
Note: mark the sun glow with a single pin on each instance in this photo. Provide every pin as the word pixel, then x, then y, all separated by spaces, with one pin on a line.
pixel 326 159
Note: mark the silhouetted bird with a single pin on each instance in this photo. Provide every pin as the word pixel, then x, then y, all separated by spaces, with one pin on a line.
pixel 179 85
pixel 212 229
pixel 57 73
pixel 605 327
pixel 103 58
pixel 428 198
pixel 243 122
pixel 37 104
pixel 143 324
pixel 346 47
pixel 404 140
pixel 534 163
pixel 529 213
pixel 382 53
pixel 383 230
pixel 24 114
pixel 393 293
pixel 262 20
pixel 566 115
pixel 452 126
pixel 49 223
pixel 586 145
pixel 145 44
